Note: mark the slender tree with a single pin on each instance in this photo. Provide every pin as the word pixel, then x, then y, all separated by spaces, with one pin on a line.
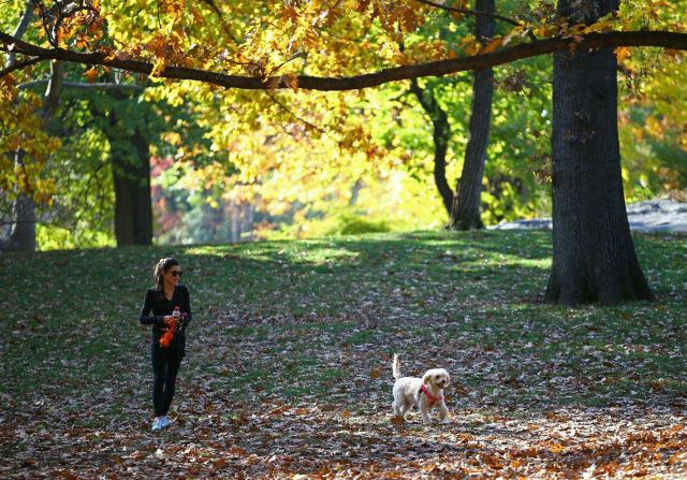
pixel 441 134
pixel 23 229
pixel 593 256
pixel 465 208
pixel 23 232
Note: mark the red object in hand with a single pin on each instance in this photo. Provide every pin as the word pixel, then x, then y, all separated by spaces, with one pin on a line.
pixel 171 325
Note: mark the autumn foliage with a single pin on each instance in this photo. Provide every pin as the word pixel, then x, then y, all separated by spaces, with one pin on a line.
pixel 296 153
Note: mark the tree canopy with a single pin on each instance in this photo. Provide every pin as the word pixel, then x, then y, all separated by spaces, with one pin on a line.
pixel 319 45
pixel 257 79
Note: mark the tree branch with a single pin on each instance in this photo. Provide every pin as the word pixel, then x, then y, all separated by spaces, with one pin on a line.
pixel 83 86
pixel 20 65
pixel 676 41
pixel 215 9
pixel 21 28
pixel 476 13
pixel 287 110
pixel 25 20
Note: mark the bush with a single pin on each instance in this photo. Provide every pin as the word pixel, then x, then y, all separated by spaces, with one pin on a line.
pixel 349 224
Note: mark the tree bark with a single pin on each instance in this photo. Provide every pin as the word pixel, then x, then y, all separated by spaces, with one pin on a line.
pixel 23 231
pixel 131 177
pixel 465 208
pixel 441 132
pixel 593 255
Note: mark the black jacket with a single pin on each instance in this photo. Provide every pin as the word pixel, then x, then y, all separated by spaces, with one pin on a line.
pixel 156 307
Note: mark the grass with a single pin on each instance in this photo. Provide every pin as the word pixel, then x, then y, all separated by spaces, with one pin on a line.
pixel 317 321
pixel 73 306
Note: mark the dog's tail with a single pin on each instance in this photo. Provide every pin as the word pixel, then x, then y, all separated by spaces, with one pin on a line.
pixel 396 367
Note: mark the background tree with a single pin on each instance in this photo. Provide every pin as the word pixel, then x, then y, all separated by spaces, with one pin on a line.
pixel 441 135
pixel 465 209
pixel 23 228
pixel 125 124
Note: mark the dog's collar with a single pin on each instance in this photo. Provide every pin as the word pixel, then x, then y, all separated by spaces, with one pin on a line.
pixel 430 398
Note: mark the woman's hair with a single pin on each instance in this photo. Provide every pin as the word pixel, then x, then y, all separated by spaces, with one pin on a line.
pixel 162 266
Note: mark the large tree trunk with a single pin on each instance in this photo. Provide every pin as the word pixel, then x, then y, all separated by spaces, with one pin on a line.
pixel 441 132
pixel 465 209
pixel 131 175
pixel 593 255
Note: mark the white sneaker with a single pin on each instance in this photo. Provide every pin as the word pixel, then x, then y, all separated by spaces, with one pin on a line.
pixel 164 421
pixel 157 424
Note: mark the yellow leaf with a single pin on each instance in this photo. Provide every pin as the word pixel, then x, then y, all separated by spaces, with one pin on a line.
pixel 158 67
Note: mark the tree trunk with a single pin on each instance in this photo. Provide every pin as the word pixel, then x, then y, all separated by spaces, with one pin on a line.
pixel 441 132
pixel 23 229
pixel 593 255
pixel 23 233
pixel 131 176
pixel 465 208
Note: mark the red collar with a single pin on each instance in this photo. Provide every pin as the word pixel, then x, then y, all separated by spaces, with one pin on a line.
pixel 431 398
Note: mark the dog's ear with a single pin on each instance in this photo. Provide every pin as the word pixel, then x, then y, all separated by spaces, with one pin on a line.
pixel 426 378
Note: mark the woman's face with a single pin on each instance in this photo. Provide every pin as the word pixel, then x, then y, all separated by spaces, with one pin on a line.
pixel 173 275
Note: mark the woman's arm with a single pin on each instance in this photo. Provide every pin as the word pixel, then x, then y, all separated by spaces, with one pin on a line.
pixel 146 318
pixel 187 308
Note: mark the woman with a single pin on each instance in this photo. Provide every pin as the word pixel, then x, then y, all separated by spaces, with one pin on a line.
pixel 158 309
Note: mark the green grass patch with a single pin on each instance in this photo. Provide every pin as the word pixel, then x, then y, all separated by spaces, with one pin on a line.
pixel 322 317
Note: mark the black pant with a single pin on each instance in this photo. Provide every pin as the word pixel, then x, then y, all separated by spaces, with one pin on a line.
pixel 166 363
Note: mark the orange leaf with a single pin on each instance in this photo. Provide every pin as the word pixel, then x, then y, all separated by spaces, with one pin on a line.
pixel 398 420
pixel 91 74
pixel 622 53
pixel 493 45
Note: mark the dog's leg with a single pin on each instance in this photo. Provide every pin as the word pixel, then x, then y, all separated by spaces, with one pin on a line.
pixel 397 411
pixel 443 412
pixel 406 408
pixel 424 411
pixel 399 405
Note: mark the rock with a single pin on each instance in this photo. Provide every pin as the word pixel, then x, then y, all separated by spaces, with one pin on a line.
pixel 660 215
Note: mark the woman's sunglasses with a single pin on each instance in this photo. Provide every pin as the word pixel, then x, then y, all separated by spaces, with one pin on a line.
pixel 176 273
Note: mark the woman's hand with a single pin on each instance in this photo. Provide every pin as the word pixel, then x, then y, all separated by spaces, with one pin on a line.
pixel 179 325
pixel 167 320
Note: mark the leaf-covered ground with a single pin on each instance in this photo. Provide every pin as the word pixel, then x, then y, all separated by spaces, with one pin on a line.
pixel 288 372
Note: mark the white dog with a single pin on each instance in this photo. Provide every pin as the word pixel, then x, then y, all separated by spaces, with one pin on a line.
pixel 425 392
